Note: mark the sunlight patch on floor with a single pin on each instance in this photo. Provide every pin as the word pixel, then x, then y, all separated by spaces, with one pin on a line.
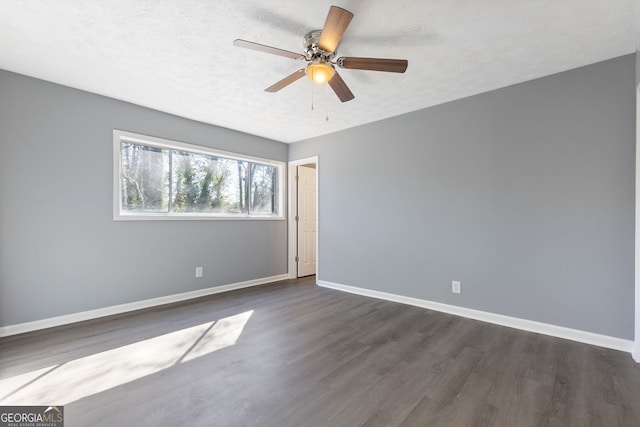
pixel 74 379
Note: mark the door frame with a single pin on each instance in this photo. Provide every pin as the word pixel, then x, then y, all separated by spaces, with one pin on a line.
pixel 636 349
pixel 293 202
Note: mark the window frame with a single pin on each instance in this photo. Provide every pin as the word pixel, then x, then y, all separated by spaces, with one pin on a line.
pixel 120 136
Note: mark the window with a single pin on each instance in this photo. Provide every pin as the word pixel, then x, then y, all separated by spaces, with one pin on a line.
pixel 161 179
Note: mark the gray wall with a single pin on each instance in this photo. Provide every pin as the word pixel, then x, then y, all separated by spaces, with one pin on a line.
pixel 525 194
pixel 61 252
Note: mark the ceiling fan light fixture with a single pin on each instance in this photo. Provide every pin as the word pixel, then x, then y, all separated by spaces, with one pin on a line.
pixel 320 72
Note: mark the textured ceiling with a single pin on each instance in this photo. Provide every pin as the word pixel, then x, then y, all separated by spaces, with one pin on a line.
pixel 178 57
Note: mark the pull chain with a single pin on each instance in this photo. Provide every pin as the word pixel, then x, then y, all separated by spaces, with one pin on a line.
pixel 327 102
pixel 326 98
pixel 312 92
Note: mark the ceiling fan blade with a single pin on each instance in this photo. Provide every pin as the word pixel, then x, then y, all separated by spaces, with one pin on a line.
pixel 336 24
pixel 267 49
pixel 374 64
pixel 286 81
pixel 340 88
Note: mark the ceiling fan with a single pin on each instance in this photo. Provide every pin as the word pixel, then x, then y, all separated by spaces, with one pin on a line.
pixel 320 48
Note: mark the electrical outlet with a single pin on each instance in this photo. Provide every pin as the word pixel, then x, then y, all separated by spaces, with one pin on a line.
pixel 199 272
pixel 455 287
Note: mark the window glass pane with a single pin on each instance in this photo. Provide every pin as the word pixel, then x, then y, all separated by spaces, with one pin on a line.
pixel 225 194
pixel 144 178
pixel 263 184
pixel 210 184
pixel 239 190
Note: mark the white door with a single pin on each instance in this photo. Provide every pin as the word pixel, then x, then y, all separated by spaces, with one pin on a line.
pixel 306 221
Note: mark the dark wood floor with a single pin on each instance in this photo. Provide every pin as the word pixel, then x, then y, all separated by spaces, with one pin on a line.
pixel 294 354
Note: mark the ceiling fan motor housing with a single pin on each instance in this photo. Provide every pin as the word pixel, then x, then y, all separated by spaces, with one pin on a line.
pixel 312 51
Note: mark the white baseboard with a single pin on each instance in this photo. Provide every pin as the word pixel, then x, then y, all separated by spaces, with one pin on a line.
pixel 123 308
pixel 498 319
pixel 636 353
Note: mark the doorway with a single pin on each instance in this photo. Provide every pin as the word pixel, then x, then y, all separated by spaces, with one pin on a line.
pixel 303 217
